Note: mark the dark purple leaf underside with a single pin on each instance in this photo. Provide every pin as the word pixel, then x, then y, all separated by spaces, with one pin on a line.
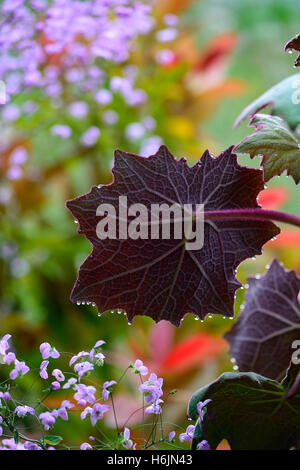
pixel 261 339
pixel 160 278
pixel 294 44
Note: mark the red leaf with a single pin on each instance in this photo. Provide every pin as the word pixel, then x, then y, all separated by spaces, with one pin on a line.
pixel 193 351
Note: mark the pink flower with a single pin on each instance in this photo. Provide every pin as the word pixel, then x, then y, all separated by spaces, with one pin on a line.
pixel 48 351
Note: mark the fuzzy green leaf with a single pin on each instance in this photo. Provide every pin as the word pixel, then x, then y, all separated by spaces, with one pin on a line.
pixel 284 100
pixel 52 440
pixel 277 143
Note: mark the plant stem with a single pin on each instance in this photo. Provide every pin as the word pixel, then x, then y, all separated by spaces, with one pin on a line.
pixel 254 214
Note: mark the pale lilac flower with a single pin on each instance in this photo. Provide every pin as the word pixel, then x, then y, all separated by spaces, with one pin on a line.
pixel 86 446
pixel 165 57
pixel 96 412
pixel 171 435
pixel 84 394
pixel 31 446
pixel 90 136
pixel 22 411
pixel 103 96
pixel 126 441
pixel 83 368
pixel 154 408
pixel 70 382
pixel 203 445
pixel 170 19
pixel 139 367
pixel 1 428
pixel 55 385
pixel 5 396
pixel 9 358
pixel 98 345
pixel 43 370
pixel 78 356
pixel 78 109
pixel 19 370
pixel 152 388
pixel 18 156
pixel 99 358
pixel 134 131
pixel 48 351
pixel 149 123
pixel 11 112
pixel 61 130
pixel 57 373
pixel 47 420
pixel 62 411
pixel 200 406
pixel 188 434
pixel 106 391
pixel 110 117
pixel 14 173
pixel 4 346
pixel 166 35
pixel 11 445
pixel 150 145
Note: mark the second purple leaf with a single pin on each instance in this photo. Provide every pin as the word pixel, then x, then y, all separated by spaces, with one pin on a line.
pixel 261 340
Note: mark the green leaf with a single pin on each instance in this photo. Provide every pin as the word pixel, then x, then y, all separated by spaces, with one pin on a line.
pixel 52 440
pixel 284 100
pixel 277 143
pixel 16 436
pixel 250 411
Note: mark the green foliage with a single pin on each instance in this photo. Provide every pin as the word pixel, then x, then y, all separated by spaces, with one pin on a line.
pixel 283 99
pixel 277 143
pixel 249 410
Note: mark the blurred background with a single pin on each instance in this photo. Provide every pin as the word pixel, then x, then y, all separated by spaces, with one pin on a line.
pixel 188 72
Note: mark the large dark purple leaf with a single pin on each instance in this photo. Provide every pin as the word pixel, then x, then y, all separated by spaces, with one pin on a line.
pixel 261 339
pixel 160 278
